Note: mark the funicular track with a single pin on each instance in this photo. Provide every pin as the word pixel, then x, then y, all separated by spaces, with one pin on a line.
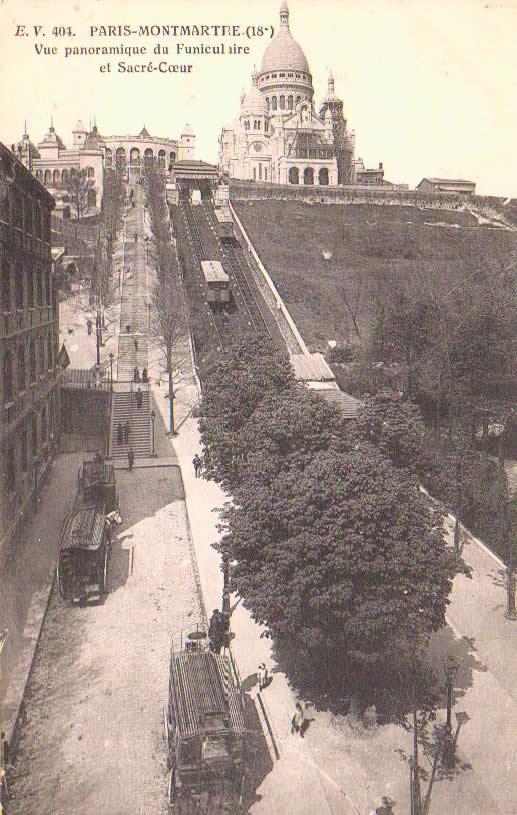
pixel 233 267
pixel 221 326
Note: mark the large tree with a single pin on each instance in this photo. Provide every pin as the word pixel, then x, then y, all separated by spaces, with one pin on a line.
pixel 78 187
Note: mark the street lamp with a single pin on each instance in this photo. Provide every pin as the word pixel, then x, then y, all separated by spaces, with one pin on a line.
pixel 153 417
pixel 111 370
pixel 451 669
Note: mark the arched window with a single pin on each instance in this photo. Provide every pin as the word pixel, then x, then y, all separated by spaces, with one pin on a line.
pixel 8 377
pixel 266 126
pixel 148 159
pixel 6 286
pixel 172 158
pixel 120 157
pixel 41 356
pixel 48 177
pixel 298 99
pixel 267 103
pixel 308 175
pixel 11 468
pixel 91 172
pixel 294 175
pixel 21 367
pixel 32 361
pixel 323 176
pixel 64 176
pixel 134 157
pixel 161 159
pixel 290 102
pixel 265 173
pixel 273 103
pixel 18 287
pixel 55 177
pixel 108 157
pixel 282 103
pixel 50 361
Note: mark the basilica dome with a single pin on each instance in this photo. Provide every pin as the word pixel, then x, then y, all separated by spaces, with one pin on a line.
pixel 283 52
pixel 254 102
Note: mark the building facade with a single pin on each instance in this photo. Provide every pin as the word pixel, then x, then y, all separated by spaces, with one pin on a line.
pixel 279 136
pixel 450 185
pixel 29 330
pixel 51 161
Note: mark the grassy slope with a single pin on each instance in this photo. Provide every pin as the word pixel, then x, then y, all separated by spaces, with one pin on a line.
pixel 365 240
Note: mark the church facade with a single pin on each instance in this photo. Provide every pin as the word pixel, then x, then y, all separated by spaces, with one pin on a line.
pixel 279 136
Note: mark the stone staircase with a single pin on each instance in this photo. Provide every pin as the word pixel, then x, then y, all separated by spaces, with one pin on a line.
pixel 125 409
pixel 129 357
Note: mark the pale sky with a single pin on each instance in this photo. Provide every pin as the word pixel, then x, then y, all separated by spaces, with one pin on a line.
pixel 430 88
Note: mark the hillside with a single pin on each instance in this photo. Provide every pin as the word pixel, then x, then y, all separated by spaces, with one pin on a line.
pixel 368 243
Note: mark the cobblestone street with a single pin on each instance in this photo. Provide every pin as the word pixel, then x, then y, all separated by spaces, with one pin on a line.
pixel 92 737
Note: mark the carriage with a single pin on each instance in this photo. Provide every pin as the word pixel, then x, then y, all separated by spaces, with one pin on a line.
pixel 85 536
pixel 224 223
pixel 204 730
pixel 217 282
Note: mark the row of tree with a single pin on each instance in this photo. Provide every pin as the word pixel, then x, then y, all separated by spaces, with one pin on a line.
pixel 331 545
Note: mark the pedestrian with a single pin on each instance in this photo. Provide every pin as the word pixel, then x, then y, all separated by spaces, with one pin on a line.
pixel 127 432
pixel 145 376
pixel 136 237
pixel 298 720
pixel 120 433
pixel 139 398
pixel 135 341
pixel 216 631
pixel 196 461
pixel 262 676
pixel 130 458
pixel 136 375
pixel 132 207
pixel 128 329
pixel 89 327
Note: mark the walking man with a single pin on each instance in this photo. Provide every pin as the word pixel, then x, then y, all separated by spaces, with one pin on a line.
pixel 136 237
pixel 89 326
pixel 136 375
pixel 130 458
pixel 196 461
pixel 139 398
pixel 127 432
pixel 120 433
pixel 298 720
pixel 216 631
pixel 136 343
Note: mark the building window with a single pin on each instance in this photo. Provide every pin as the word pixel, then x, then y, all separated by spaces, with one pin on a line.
pixel 41 356
pixel 34 435
pixel 8 377
pixel 6 286
pixel 323 176
pixel 254 173
pixel 44 428
pixel 50 361
pixel 294 175
pixel 45 225
pixel 39 286
pixel 267 103
pixel 308 175
pixel 4 203
pixel 55 177
pixel 48 287
pixel 172 158
pixel 298 99
pixel 266 126
pixel 32 361
pixel 30 287
pixel 23 450
pixel 282 103
pixel 29 219
pixel 18 287
pixel 260 171
pixel 21 368
pixel 290 103
pixel 161 159
pixel 265 173
pixel 48 177
pixel 11 469
pixel 91 172
pixel 64 176
pixel 37 220
pixel 273 103
pixel 17 208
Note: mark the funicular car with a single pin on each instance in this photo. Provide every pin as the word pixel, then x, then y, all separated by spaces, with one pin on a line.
pixel 224 224
pixel 217 283
pixel 85 536
pixel 204 730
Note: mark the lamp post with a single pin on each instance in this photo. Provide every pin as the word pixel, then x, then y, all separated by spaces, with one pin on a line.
pixel 153 417
pixel 449 751
pixel 111 370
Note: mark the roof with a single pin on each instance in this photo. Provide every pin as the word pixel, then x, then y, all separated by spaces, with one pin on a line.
pixel 446 181
pixel 311 367
pixel 190 168
pixel 144 133
pixel 223 215
pixel 81 378
pixel 348 405
pixel 254 103
pixel 84 526
pixel 188 130
pixel 283 52
pixel 213 271
pixel 203 683
pixel 11 169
